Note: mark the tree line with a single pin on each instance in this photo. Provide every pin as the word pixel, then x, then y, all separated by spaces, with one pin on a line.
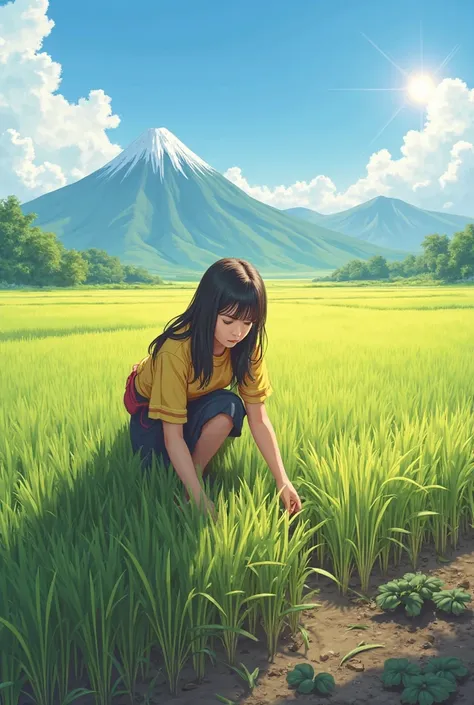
pixel 30 256
pixel 443 258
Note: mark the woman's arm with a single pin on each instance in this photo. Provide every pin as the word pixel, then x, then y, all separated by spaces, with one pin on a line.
pixel 264 435
pixel 182 461
pixel 266 441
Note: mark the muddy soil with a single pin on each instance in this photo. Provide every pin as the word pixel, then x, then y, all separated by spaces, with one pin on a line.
pixel 426 636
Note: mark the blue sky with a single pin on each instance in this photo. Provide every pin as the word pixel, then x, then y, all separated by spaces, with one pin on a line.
pixel 248 83
pixel 254 88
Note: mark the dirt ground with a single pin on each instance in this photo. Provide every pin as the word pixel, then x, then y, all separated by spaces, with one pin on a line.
pixel 426 636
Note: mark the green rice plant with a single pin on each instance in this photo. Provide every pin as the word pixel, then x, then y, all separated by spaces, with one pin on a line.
pixel 11 652
pixel 234 543
pixel 455 466
pixel 348 495
pixel 409 517
pixel 167 606
pixel 91 587
pixel 203 609
pixel 388 469
pixel 185 531
pixel 323 500
pixel 300 570
pixel 33 631
pixel 281 565
pixel 132 638
pixel 168 616
pixel 250 679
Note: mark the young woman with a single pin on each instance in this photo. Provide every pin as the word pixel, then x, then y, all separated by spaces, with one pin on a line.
pixel 180 408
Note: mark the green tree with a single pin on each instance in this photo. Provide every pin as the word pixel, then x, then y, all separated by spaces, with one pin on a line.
pixel 14 232
pixel 413 265
pixel 42 252
pixel 434 246
pixel 461 253
pixel 377 266
pixel 139 275
pixel 73 270
pixel 28 255
pixel 103 268
pixel 358 269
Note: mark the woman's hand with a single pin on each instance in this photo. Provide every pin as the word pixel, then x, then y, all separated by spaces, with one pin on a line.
pixel 289 496
pixel 205 505
pixel 208 506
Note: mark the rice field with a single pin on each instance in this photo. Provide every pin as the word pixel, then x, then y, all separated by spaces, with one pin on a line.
pixel 106 579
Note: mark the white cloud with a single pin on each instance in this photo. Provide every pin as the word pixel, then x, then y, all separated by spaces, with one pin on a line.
pixel 436 165
pixel 45 141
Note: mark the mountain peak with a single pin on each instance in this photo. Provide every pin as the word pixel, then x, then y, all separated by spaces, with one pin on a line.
pixel 157 146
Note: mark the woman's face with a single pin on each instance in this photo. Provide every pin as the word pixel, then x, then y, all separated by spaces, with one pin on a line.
pixel 231 331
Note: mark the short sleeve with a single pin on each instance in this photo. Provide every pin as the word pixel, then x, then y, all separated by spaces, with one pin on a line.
pixel 169 398
pixel 260 389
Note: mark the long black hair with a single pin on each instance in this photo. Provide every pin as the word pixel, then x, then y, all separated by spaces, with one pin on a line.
pixel 230 286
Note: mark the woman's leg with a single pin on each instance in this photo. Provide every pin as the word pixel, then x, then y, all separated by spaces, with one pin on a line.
pixel 213 435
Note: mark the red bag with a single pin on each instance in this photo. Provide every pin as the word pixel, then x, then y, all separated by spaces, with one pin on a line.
pixel 130 398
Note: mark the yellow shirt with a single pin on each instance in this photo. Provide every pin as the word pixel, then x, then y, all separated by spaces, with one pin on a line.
pixel 167 382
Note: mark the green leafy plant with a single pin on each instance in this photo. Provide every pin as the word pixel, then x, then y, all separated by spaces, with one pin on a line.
pixel 452 601
pixel 399 592
pixel 434 683
pixel 424 585
pixel 414 588
pixel 450 668
pixel 301 673
pixel 427 689
pixel 303 679
pixel 399 671
pixel 324 684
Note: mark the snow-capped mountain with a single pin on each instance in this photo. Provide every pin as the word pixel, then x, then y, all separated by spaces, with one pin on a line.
pixel 151 147
pixel 159 205
pixel 387 222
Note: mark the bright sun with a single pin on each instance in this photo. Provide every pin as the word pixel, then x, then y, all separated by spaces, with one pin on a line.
pixel 420 88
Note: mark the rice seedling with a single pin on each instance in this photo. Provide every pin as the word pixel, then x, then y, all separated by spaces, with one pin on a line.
pixel 281 565
pixel 234 543
pixel 36 662
pixel 250 679
pixel 166 607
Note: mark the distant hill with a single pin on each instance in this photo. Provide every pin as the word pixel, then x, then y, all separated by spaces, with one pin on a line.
pixel 387 222
pixel 159 205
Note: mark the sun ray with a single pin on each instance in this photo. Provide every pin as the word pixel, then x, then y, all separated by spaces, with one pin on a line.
pixel 397 112
pixel 368 89
pixel 417 85
pixel 421 48
pixel 399 68
pixel 448 58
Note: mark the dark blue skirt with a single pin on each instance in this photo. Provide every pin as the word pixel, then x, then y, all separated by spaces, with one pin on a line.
pixel 147 434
